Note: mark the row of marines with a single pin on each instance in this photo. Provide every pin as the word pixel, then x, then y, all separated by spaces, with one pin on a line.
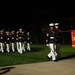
pixel 15 39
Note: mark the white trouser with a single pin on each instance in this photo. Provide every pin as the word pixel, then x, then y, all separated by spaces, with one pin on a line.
pixel 13 48
pixel 17 46
pixel 20 48
pixel 7 47
pixel 57 49
pixel 23 47
pixel 28 46
pixel 1 47
pixel 52 52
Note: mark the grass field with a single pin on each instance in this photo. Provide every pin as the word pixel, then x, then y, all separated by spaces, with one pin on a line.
pixel 37 54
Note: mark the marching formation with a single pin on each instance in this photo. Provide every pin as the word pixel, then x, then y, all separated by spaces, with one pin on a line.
pixel 14 40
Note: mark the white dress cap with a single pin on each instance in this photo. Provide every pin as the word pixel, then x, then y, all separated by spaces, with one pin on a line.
pixel 51 24
pixel 56 24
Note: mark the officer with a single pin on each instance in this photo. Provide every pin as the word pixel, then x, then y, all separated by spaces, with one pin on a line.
pixel 28 41
pixel 1 41
pixel 51 40
pixel 58 38
pixel 12 40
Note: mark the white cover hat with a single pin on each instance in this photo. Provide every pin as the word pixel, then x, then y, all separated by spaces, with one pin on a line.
pixel 56 24
pixel 51 24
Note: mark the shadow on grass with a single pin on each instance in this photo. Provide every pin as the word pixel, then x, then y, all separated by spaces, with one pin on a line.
pixel 68 57
pixel 5 70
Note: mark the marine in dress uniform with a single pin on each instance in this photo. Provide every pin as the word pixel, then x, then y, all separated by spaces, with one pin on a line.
pixel 28 41
pixel 58 38
pixel 17 41
pixel 21 41
pixel 2 41
pixel 12 40
pixel 7 41
pixel 51 40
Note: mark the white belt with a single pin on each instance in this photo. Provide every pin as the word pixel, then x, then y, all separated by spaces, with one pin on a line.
pixel 7 38
pixel 13 38
pixel 51 37
pixel 20 37
pixel 1 37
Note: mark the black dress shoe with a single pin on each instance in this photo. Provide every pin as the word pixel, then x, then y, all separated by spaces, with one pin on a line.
pixel 48 58
pixel 55 60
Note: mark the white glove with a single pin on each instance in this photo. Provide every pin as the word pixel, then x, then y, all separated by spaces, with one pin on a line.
pixel 47 44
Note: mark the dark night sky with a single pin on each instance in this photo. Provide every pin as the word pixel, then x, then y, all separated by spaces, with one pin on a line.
pixel 29 14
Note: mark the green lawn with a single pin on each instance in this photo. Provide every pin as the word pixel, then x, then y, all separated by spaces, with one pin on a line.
pixel 38 54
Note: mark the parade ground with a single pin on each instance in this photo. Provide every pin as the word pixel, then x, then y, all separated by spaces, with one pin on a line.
pixel 62 67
